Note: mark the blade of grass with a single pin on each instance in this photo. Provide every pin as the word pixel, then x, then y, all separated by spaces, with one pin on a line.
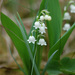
pixel 49 60
pixel 28 47
pixel 17 62
pixel 22 24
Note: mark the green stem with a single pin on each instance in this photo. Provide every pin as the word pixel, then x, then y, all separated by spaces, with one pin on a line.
pixel 33 61
pixel 35 49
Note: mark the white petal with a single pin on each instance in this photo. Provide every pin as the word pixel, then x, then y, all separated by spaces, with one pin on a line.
pixel 46 17
pixel 45 27
pixel 41 44
pixel 49 18
pixel 33 42
pixel 45 43
pixel 29 42
pixel 38 43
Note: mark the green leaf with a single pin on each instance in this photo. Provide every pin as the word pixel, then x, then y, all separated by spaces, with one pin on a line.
pixel 15 34
pixel 48 62
pixel 55 25
pixel 42 6
pixel 68 66
pixel 59 45
pixel 54 68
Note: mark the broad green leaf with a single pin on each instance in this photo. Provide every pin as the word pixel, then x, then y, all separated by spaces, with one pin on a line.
pixel 54 68
pixel 49 60
pixel 59 45
pixel 68 66
pixel 65 66
pixel 42 6
pixel 15 34
pixel 54 26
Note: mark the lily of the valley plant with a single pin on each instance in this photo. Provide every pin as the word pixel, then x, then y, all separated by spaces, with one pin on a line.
pixel 30 46
pixel 40 27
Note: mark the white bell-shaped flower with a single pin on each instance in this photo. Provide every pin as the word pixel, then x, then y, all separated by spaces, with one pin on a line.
pixel 42 42
pixel 66 27
pixel 42 29
pixel 37 24
pixel 67 16
pixel 47 17
pixel 72 8
pixel 31 39
pixel 43 25
pixel 42 18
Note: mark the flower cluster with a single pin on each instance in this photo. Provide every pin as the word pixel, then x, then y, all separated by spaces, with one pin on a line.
pixel 67 14
pixel 40 27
